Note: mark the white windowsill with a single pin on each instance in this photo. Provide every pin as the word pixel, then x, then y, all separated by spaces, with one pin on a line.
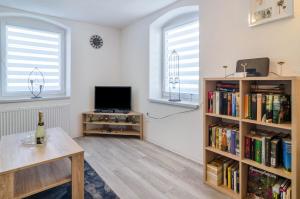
pixel 185 104
pixel 20 100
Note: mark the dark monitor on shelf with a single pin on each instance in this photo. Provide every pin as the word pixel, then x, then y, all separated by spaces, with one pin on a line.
pixel 112 99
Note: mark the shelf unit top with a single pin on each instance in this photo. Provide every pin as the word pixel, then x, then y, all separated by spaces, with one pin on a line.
pixel 131 113
pixel 269 78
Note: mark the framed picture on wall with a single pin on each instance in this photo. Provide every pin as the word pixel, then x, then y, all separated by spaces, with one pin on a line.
pixel 265 11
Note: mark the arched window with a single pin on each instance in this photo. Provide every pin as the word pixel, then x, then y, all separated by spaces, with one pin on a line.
pixel 177 30
pixel 27 43
pixel 182 36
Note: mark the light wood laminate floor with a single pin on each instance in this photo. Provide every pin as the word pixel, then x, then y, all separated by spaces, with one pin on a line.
pixel 136 169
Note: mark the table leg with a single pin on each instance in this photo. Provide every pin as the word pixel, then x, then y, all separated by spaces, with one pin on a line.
pixel 7 186
pixel 78 176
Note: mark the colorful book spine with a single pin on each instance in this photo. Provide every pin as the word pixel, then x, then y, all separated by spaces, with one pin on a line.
pixel 253 106
pixel 224 107
pixel 224 140
pixel 233 142
pixel 286 154
pixel 258 149
pixel 217 93
pixel 233 105
pixel 269 108
pixel 210 101
pixel 263 109
pixel 228 134
pixel 238 100
pixel 247 147
pixel 214 102
pixel 259 107
pixel 246 106
pixel 276 109
pixel 275 152
pixel 263 151
pixel 229 104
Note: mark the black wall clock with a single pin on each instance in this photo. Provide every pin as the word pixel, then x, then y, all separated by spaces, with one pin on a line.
pixel 96 41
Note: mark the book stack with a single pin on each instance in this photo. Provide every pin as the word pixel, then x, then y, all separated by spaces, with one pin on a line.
pixel 269 108
pixel 269 148
pixel 225 100
pixel 224 137
pixel 223 171
pixel 262 184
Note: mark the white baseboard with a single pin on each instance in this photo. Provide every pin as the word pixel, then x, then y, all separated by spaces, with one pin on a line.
pixel 187 156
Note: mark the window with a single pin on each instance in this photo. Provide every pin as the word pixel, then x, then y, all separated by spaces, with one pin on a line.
pixel 27 49
pixel 30 44
pixel 184 39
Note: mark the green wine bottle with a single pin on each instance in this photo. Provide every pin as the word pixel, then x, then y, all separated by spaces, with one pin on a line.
pixel 40 131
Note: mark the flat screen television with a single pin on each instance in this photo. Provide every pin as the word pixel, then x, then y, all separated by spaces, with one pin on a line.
pixel 112 99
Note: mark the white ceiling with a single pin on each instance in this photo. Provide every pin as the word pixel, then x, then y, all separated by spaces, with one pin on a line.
pixel 115 13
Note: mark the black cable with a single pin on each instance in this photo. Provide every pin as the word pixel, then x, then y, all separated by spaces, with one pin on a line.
pixel 172 114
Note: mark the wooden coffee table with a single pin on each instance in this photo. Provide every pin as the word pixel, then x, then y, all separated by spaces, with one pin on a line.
pixel 27 170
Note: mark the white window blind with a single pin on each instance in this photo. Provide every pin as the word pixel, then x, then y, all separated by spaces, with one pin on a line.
pixel 29 48
pixel 185 40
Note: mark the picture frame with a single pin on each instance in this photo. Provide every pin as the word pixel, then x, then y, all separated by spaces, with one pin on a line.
pixel 266 11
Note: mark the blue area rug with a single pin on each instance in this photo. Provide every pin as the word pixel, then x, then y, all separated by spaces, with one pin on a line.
pixel 94 188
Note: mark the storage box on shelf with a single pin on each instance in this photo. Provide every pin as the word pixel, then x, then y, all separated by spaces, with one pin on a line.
pixel 130 124
pixel 277 126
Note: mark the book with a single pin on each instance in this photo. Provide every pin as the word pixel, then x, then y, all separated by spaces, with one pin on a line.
pixel 247 147
pixel 224 107
pixel 217 93
pixel 229 104
pixel 276 109
pixel 275 152
pixel 225 170
pixel 253 107
pixel 228 134
pixel 246 106
pixel 224 146
pixel 258 149
pixel 260 183
pixel 233 142
pixel 233 104
pixel 210 101
pixel 238 100
pixel 269 108
pixel 263 108
pixel 220 136
pixel 263 150
pixel 237 143
pixel 259 107
pixel 286 154
pixel 214 172
pixel 214 102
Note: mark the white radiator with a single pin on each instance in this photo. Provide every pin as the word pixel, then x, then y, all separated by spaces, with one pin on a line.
pixel 26 119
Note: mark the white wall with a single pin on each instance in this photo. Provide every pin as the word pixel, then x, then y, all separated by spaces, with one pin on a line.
pixel 89 67
pixel 224 38
pixel 180 134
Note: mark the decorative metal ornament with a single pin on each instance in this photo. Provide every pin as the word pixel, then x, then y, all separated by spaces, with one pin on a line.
pixel 174 77
pixel 36 82
pixel 96 41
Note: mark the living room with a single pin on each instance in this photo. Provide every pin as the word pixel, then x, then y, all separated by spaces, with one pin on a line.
pixel 128 91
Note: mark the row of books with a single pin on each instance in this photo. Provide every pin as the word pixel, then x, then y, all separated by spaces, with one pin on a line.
pixel 223 171
pixel 224 137
pixel 268 108
pixel 224 103
pixel 269 148
pixel 262 184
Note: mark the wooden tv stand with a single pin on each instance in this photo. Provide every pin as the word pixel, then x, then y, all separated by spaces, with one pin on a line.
pixel 130 124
